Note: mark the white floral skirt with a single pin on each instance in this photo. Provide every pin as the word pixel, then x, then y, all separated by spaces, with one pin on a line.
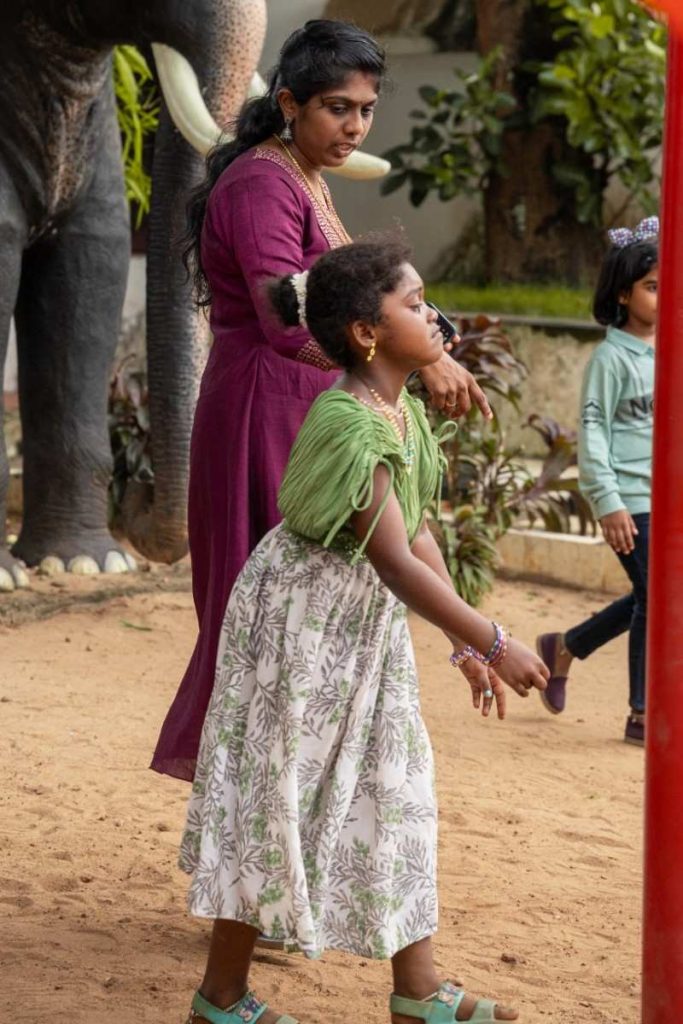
pixel 312 815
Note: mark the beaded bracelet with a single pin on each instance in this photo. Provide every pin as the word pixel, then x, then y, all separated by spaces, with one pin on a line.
pixel 495 654
pixel 499 647
pixel 462 656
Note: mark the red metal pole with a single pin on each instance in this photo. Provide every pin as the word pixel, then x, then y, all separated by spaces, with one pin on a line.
pixel 663 907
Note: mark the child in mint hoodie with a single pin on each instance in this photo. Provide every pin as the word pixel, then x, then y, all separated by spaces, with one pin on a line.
pixel 615 460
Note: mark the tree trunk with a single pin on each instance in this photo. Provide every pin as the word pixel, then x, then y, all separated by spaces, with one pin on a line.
pixel 531 228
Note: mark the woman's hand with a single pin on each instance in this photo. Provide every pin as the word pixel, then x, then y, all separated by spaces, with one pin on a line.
pixel 486 687
pixel 452 389
pixel 619 530
pixel 522 670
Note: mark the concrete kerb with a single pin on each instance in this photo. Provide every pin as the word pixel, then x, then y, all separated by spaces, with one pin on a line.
pixel 584 563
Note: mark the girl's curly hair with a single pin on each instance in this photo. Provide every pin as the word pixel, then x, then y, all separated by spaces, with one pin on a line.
pixel 344 285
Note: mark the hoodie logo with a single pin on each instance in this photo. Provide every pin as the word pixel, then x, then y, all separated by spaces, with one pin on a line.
pixel 592 413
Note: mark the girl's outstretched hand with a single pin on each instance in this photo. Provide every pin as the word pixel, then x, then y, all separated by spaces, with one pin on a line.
pixel 486 687
pixel 522 670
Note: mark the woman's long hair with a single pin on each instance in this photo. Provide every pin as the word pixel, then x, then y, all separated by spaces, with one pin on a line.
pixel 319 56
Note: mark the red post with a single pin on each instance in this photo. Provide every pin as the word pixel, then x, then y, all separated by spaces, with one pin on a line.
pixel 663 908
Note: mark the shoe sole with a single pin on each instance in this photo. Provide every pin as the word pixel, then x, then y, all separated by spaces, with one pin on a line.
pixel 544 700
pixel 276 945
pixel 634 742
pixel 265 943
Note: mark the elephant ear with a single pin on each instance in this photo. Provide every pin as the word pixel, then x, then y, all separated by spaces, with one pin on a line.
pixel 193 120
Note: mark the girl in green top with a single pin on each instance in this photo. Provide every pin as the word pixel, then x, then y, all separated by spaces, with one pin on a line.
pixel 312 818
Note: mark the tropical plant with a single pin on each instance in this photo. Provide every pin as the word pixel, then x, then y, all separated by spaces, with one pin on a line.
pixel 137 104
pixel 128 434
pixel 456 142
pixel 607 84
pixel 568 96
pixel 551 497
pixel 488 486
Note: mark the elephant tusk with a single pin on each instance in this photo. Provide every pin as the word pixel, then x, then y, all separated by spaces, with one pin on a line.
pixel 184 99
pixel 257 87
pixel 359 166
pixel 362 167
pixel 193 120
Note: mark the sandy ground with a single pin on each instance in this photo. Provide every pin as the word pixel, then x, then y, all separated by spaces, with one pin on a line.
pixel 540 833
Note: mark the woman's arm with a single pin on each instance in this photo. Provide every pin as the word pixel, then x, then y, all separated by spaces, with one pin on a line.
pixel 425 590
pixel 261 219
pixel 452 389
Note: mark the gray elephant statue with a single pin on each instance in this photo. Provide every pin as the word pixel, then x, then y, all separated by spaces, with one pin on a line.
pixel 64 252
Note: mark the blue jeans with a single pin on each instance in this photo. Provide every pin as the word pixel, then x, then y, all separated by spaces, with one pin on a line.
pixel 628 612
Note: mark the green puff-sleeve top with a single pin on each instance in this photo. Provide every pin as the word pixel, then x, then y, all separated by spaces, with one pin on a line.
pixel 332 465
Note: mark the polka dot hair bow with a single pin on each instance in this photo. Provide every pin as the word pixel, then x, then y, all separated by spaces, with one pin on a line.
pixel 621 237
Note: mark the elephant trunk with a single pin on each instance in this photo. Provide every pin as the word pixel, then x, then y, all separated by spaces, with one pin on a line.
pixel 225 43
pixel 156 519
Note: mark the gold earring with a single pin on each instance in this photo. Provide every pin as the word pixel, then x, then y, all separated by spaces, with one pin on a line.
pixel 371 354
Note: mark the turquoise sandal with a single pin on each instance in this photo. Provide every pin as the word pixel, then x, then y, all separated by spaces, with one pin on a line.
pixel 246 1011
pixel 442 1007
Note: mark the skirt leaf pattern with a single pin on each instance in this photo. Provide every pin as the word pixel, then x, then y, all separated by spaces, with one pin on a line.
pixel 312 814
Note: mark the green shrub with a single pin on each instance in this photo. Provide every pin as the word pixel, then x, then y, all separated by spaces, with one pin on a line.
pixel 488 487
pixel 604 83
pixel 129 436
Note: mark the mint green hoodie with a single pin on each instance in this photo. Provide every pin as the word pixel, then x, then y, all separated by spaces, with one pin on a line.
pixel 615 433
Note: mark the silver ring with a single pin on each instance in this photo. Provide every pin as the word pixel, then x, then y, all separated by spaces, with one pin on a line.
pixel 488 694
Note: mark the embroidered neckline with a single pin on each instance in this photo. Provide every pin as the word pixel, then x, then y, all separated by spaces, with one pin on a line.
pixel 325 222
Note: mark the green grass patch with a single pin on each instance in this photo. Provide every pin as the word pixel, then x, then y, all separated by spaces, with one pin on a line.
pixel 521 299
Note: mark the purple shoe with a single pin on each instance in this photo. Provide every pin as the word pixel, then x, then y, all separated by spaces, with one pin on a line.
pixel 635 729
pixel 554 695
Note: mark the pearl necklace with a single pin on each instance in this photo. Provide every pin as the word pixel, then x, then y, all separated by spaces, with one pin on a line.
pixel 383 407
pixel 327 202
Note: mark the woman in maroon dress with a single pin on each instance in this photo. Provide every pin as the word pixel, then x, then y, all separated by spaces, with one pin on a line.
pixel 264 211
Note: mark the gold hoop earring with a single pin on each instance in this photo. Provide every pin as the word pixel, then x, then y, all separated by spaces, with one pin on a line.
pixel 371 354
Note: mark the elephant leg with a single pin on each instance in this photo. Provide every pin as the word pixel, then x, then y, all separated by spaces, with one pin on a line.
pixel 68 318
pixel 13 232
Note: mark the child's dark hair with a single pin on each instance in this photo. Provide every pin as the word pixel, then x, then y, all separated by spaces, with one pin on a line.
pixel 344 285
pixel 319 56
pixel 621 268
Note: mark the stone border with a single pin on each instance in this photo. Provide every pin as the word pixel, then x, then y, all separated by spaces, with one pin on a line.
pixel 583 563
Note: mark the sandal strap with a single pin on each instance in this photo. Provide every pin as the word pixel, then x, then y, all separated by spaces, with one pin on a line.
pixel 246 1010
pixel 440 1008
pixel 484 1011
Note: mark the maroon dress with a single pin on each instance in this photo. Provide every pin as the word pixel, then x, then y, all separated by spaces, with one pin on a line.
pixel 262 222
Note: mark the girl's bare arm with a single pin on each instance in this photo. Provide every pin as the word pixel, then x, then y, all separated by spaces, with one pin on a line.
pixel 425 587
